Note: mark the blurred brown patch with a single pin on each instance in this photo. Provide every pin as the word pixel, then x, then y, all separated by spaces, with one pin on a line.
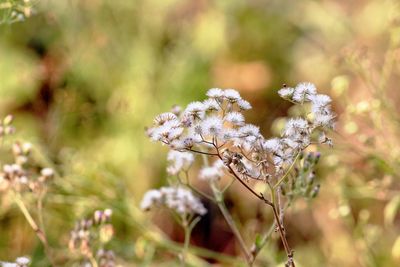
pixel 248 76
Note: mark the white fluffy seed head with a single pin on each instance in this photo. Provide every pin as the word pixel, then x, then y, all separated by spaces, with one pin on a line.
pixel 249 130
pixel 303 92
pixel 235 118
pixel 212 126
pixel 286 92
pixel 151 198
pixel 232 95
pixel 176 198
pixel 164 117
pixel 211 105
pixel 243 104
pixel 215 93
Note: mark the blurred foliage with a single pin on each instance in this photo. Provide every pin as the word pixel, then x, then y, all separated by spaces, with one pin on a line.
pixel 83 79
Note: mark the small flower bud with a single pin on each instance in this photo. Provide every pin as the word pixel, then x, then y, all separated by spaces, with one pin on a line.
pixel 317 157
pixel 107 214
pixel 315 191
pixel 98 214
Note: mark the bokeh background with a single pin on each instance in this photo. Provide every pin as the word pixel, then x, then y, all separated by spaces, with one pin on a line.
pixel 84 78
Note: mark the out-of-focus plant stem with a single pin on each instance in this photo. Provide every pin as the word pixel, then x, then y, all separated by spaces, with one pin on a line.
pixel 38 230
pixel 219 197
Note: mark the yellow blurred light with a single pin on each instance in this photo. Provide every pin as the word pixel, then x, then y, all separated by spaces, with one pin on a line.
pixel 339 85
pixel 363 106
pixel 351 127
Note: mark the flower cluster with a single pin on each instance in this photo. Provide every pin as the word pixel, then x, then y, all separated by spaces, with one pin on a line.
pixel 217 126
pixel 18 177
pixel 89 236
pixel 177 199
pixel 19 262
pixel 303 183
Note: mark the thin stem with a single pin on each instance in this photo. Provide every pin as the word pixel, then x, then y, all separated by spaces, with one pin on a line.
pixel 231 223
pixel 188 227
pixel 288 250
pixel 260 196
pixel 201 152
pixel 219 197
pixel 40 211
pixel 228 185
pixel 257 247
pixel 197 191
pixel 185 245
pixel 287 172
pixel 38 231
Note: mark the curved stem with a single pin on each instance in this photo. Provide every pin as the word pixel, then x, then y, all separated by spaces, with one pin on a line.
pixel 219 197
pixel 232 225
pixel 188 227
pixel 287 172
pixel 260 196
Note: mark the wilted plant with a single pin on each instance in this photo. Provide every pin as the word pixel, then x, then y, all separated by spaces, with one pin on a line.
pixel 216 130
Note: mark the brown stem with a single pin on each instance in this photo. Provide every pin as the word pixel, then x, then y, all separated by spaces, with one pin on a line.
pixel 289 252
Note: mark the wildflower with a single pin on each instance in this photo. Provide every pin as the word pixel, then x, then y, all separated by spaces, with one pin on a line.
pixel 286 92
pixel 229 134
pixel 272 145
pixel 235 118
pixel 164 117
pixel 179 161
pixel 303 92
pixel 176 198
pixel 243 104
pixel 319 102
pixel 19 262
pixel 211 105
pixel 211 126
pixel 324 120
pixel 215 93
pixel 232 95
pixel 297 126
pixel 249 130
pixel 196 110
pixel 150 199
